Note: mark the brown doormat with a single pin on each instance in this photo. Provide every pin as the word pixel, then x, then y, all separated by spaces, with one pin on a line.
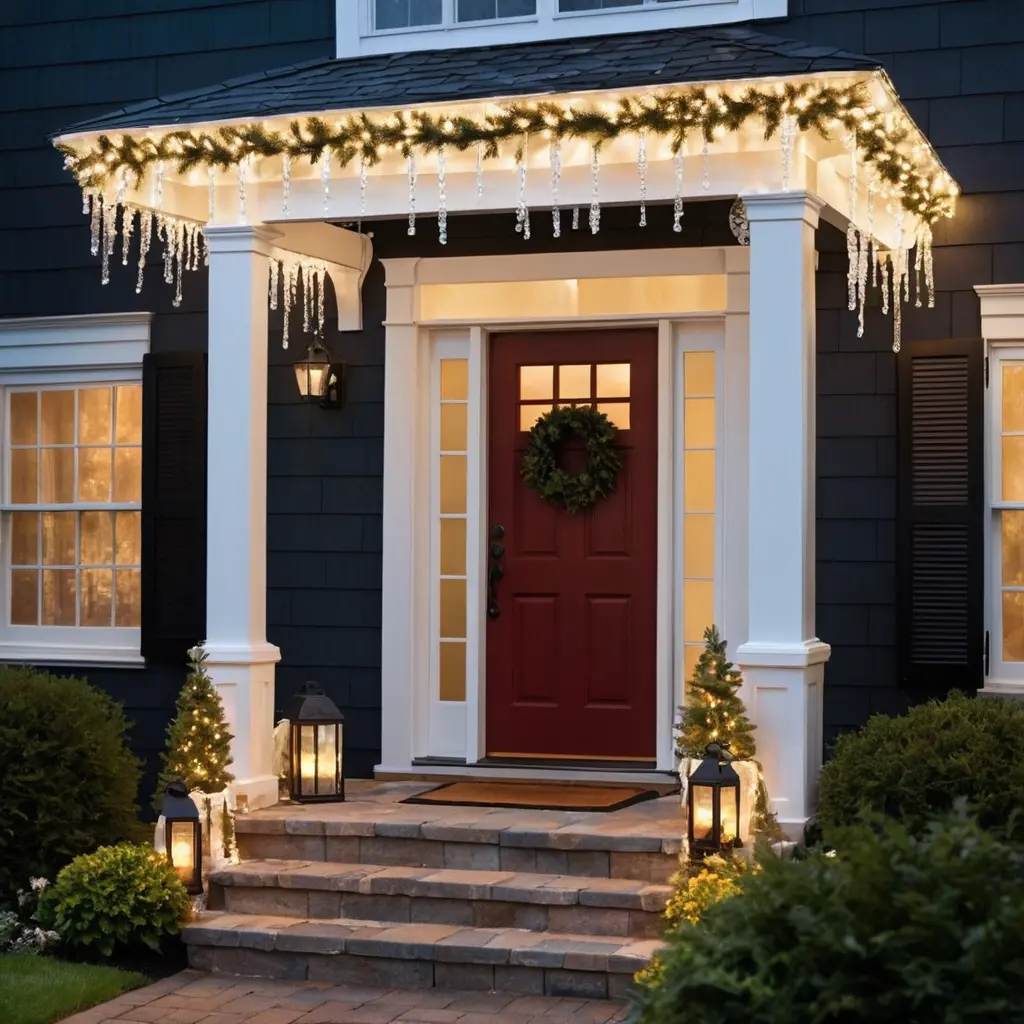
pixel 535 796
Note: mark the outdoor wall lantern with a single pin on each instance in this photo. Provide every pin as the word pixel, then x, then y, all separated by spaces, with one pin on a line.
pixel 183 837
pixel 320 379
pixel 315 746
pixel 713 804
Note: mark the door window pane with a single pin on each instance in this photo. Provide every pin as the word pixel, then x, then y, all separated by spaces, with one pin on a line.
pixel 536 382
pixel 617 412
pixel 453 609
pixel 574 382
pixel 453 547
pixel 452 657
pixel 453 427
pixel 613 380
pixel 453 484
pixel 454 379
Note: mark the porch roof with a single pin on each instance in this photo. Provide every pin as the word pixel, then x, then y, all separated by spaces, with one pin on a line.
pixel 616 62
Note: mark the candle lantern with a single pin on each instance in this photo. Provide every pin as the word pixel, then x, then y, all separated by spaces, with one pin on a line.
pixel 317 730
pixel 713 804
pixel 183 836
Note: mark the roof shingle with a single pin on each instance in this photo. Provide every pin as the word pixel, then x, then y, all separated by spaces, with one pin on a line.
pixel 399 80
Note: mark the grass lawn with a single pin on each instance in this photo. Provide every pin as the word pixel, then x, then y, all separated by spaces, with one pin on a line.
pixel 39 989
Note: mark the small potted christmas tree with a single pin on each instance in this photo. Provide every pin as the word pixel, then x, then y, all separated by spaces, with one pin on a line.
pixel 714 712
pixel 198 752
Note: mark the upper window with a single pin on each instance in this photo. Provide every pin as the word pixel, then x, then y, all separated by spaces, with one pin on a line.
pixel 398 14
pixel 390 26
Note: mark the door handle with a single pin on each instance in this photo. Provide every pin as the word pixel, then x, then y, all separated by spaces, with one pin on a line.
pixel 495 572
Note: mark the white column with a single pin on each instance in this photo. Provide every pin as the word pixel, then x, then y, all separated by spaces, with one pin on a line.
pixel 241 662
pixel 783 660
pixel 404 609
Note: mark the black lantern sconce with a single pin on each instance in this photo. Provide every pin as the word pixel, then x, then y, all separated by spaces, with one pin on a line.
pixel 320 379
pixel 713 804
pixel 317 732
pixel 183 837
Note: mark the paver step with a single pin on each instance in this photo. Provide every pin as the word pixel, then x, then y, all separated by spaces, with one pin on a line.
pixel 643 845
pixel 538 902
pixel 417 955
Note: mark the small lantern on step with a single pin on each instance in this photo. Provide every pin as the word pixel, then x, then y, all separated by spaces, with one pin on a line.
pixel 713 804
pixel 315 747
pixel 320 379
pixel 183 836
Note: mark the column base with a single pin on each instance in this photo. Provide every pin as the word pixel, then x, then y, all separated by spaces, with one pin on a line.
pixel 244 677
pixel 784 693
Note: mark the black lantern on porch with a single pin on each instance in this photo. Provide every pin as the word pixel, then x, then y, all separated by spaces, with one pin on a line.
pixel 713 804
pixel 320 379
pixel 183 836
pixel 317 731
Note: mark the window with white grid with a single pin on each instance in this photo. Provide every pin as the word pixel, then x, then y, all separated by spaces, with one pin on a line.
pixel 72 501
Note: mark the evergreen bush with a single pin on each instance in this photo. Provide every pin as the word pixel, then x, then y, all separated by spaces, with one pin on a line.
pixel 121 899
pixel 916 767
pixel 68 782
pixel 898 929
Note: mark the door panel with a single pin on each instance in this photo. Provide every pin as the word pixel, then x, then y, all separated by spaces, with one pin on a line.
pixel 571 660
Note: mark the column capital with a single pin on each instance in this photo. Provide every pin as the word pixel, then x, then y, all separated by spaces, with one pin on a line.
pixel 764 206
pixel 254 238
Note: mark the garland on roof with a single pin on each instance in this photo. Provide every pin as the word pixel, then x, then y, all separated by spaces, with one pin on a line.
pixel 914 177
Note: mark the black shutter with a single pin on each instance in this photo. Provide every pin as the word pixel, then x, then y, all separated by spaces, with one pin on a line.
pixel 941 513
pixel 173 504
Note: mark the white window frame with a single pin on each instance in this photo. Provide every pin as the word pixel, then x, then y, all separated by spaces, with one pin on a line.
pixel 69 352
pixel 357 35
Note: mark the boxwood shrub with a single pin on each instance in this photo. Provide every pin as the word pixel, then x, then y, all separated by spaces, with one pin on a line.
pixel 916 766
pixel 68 783
pixel 897 929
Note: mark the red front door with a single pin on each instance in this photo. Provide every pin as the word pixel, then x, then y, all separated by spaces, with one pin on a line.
pixel 571 653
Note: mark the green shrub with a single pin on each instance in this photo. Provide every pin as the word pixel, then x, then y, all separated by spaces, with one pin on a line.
pixel 119 898
pixel 914 768
pixel 899 928
pixel 67 781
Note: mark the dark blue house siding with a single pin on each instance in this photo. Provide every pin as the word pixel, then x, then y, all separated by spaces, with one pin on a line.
pixel 959 66
pixel 62 61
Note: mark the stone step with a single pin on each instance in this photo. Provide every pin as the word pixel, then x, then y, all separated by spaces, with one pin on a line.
pixel 487 899
pixel 417 955
pixel 641 846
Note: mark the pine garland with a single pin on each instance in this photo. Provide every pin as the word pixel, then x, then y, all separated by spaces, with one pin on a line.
pixel 198 747
pixel 706 112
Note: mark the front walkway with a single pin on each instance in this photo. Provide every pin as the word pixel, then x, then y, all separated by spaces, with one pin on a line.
pixel 195 998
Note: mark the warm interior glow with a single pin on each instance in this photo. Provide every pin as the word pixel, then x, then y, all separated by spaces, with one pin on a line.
pixel 183 850
pixel 703 812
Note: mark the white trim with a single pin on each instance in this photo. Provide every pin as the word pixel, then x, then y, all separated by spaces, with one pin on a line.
pixel 410 555
pixel 66 352
pixel 356 35
pixel 1002 311
pixel 100 343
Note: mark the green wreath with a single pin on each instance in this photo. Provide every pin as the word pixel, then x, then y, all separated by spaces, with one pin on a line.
pixel 573 492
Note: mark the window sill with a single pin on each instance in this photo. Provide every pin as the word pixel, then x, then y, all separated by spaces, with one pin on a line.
pixel 558 15
pixel 68 654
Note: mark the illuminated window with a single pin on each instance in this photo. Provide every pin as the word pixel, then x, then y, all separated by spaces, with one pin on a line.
pixel 72 510
pixel 604 386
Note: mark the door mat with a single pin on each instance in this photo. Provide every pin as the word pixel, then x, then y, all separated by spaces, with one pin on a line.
pixel 534 796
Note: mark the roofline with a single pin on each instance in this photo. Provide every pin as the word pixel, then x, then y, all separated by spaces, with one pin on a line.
pixel 863 74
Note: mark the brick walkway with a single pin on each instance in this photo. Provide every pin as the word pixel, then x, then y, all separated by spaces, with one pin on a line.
pixel 195 998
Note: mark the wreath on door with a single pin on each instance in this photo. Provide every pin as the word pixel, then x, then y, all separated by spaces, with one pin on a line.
pixel 574 492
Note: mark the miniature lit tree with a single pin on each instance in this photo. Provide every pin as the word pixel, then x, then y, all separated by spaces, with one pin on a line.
pixel 714 712
pixel 198 747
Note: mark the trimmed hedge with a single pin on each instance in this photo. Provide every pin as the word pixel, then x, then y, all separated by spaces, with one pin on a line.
pixel 68 782
pixel 914 768
pixel 898 929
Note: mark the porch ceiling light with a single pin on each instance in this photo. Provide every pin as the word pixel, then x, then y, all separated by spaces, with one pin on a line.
pixel 183 836
pixel 713 804
pixel 320 379
pixel 316 741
